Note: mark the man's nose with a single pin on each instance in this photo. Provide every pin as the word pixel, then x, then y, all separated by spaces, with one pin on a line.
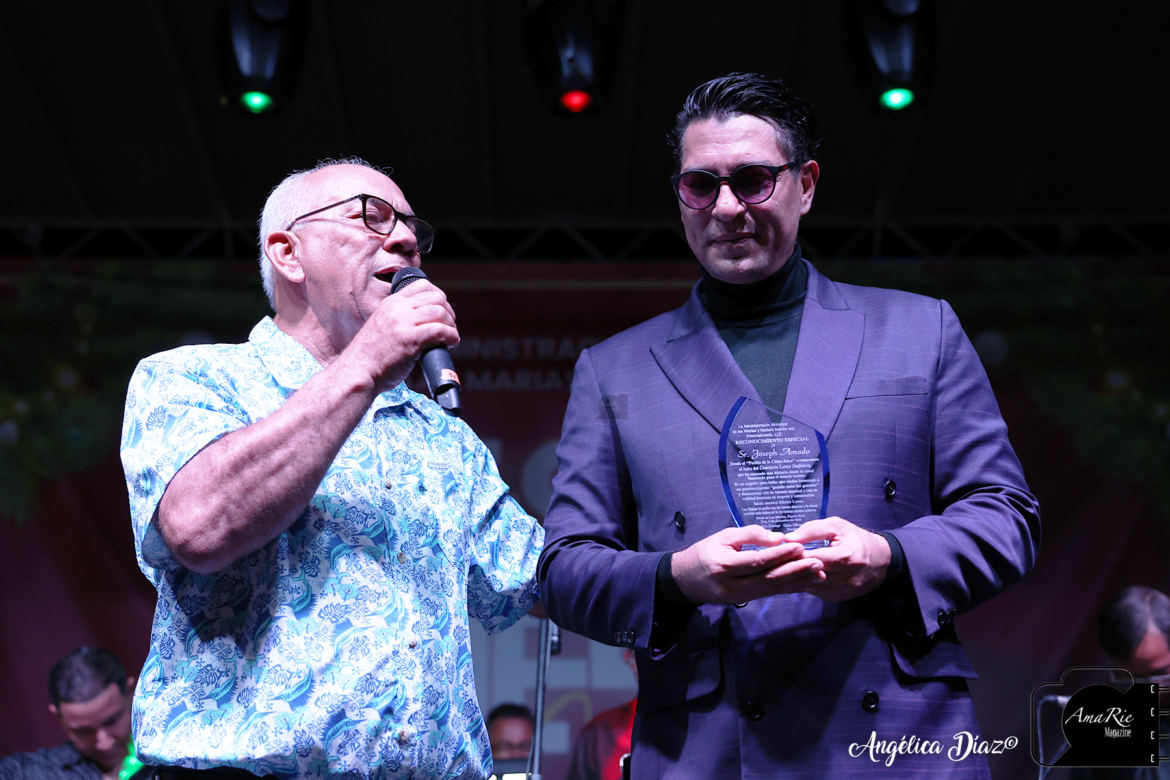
pixel 401 240
pixel 105 740
pixel 727 205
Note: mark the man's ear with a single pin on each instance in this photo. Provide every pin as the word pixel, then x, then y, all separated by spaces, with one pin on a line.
pixel 54 711
pixel 809 173
pixel 130 680
pixel 283 250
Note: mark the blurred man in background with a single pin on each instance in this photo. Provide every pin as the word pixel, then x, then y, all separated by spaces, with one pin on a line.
pixel 90 695
pixel 510 728
pixel 1134 631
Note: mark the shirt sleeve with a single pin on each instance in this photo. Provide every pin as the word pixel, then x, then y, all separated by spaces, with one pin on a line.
pixel 173 410
pixel 505 547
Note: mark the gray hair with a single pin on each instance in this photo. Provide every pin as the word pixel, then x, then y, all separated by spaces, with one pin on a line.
pixel 289 200
pixel 1127 618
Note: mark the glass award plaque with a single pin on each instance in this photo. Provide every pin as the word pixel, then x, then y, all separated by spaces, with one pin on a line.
pixel 775 470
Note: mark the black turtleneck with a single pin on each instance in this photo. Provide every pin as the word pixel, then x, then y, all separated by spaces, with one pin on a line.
pixel 760 323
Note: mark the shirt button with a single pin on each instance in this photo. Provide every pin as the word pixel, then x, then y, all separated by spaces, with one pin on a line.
pixel 891 489
pixel 413 642
pixel 870 701
pixel 388 483
pixel 422 488
pixel 680 520
pixel 403 736
pixel 402 557
pixel 754 710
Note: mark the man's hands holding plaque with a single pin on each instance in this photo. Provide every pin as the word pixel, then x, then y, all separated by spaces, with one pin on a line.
pixel 855 561
pixel 718 570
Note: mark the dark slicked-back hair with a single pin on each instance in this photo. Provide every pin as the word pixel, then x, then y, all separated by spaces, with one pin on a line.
pixel 510 711
pixel 768 98
pixel 1128 616
pixel 83 674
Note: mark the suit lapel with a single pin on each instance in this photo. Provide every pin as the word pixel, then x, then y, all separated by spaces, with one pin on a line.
pixel 826 355
pixel 698 363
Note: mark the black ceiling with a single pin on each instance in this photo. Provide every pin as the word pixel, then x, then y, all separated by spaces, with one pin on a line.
pixel 1041 110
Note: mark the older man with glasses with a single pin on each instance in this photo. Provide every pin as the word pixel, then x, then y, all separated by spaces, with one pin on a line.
pixel 781 652
pixel 318 534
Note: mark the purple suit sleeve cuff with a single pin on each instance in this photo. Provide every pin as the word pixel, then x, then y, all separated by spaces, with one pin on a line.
pixel 898 589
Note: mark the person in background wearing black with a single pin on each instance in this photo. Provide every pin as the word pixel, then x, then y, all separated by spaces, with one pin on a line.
pixel 90 696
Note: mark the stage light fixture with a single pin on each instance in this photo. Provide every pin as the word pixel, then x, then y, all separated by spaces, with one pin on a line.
pixel 576 101
pixel 893 42
pixel 257 102
pixel 571 48
pixel 261 46
pixel 896 99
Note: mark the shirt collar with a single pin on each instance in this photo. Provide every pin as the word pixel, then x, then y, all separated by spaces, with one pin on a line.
pixel 68 755
pixel 291 365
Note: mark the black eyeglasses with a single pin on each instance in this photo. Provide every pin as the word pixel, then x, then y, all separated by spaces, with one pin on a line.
pixel 750 183
pixel 382 218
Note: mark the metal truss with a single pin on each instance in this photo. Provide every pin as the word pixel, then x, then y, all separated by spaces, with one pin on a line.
pixel 612 241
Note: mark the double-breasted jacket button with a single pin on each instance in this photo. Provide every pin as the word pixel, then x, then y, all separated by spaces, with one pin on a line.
pixel 680 520
pixel 618 638
pixel 945 617
pixel 754 710
pixel 891 489
pixel 870 701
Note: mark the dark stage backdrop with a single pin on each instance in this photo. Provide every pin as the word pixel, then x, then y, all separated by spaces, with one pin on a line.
pixel 1077 353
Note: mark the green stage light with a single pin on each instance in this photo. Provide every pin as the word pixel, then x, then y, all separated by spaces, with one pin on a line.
pixel 256 102
pixel 897 99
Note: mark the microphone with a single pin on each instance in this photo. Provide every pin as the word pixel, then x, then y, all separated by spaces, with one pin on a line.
pixel 438 368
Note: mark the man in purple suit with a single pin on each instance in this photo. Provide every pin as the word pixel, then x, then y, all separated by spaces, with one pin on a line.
pixel 758 657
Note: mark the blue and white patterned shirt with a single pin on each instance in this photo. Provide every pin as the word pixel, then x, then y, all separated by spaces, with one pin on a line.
pixel 341 646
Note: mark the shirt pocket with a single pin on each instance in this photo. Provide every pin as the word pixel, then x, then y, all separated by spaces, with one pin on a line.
pixel 888 386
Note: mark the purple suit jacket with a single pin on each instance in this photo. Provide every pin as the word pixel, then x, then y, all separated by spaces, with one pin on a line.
pixel 784 686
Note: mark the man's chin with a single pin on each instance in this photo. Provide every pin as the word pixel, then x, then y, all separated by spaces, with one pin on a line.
pixel 108 761
pixel 738 270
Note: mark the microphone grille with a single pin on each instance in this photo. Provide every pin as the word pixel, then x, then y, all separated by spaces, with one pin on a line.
pixel 405 276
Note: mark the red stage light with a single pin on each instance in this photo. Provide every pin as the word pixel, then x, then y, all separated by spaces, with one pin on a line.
pixel 576 101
